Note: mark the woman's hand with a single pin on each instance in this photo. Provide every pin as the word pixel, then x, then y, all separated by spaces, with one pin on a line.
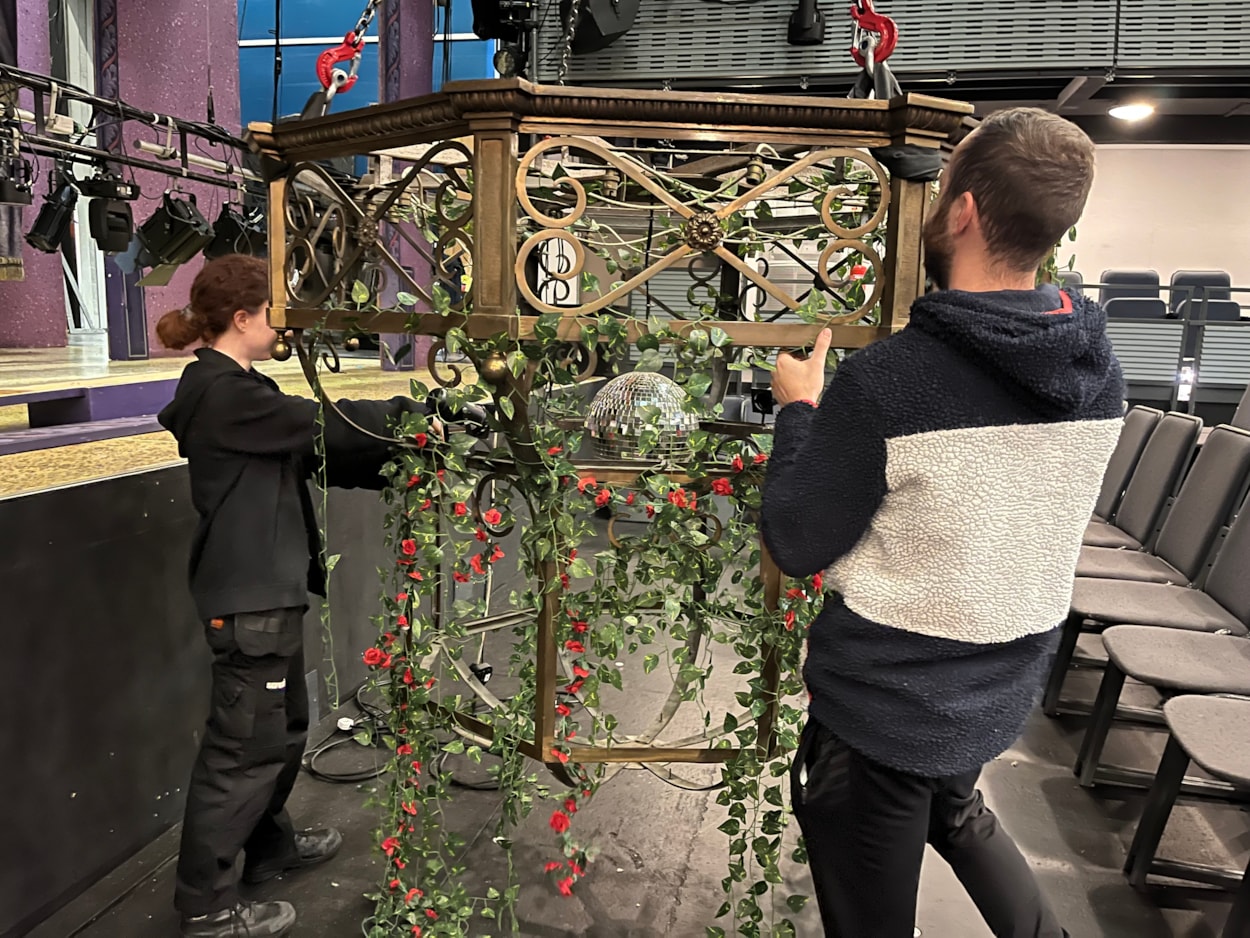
pixel 802 379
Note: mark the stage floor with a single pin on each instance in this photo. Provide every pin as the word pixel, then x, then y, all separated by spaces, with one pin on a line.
pixel 85 363
pixel 662 857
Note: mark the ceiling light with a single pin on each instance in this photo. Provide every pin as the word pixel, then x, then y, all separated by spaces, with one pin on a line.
pixel 1132 112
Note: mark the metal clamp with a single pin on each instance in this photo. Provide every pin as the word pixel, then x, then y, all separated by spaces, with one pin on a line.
pixel 870 23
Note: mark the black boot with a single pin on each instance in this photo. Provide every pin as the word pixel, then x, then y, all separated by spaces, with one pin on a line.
pixel 245 920
pixel 311 848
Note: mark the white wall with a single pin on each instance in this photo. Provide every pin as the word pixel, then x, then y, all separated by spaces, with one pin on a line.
pixel 1167 208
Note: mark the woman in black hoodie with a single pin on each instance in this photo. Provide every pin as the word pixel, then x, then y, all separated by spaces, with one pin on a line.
pixel 254 558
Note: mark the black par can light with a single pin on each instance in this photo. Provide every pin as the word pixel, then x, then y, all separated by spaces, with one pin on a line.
pixel 53 222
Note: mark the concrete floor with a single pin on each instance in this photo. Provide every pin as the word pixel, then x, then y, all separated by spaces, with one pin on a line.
pixel 662 857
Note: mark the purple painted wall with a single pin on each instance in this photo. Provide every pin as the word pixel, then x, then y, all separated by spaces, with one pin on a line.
pixel 32 311
pixel 164 48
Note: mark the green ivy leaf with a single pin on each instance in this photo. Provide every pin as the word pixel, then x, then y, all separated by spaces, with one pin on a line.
pixel 719 337
pixel 580 568
pixel 405 299
pixel 360 293
pixel 649 663
pixel 506 407
pixel 796 903
pixel 650 360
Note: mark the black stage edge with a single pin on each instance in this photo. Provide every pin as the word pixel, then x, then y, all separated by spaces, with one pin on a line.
pixel 104 675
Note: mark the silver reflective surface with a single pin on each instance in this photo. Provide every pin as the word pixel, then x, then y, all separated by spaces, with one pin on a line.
pixel 638 401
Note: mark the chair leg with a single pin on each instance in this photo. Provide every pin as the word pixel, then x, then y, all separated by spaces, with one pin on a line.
pixel 1099 725
pixel 1059 669
pixel 1238 925
pixel 1154 817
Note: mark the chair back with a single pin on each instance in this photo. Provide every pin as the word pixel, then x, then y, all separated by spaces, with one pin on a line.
pixel 1213 488
pixel 1139 423
pixel 1158 474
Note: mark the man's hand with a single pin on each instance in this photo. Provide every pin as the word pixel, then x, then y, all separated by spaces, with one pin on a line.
pixel 802 379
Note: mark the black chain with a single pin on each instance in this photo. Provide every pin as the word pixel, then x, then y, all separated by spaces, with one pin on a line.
pixel 362 25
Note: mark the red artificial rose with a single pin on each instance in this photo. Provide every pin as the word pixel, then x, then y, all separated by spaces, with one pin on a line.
pixel 460 509
pixel 395 884
pixel 738 464
pixel 431 914
pixel 481 535
pixel 603 497
pixel 794 593
pixel 386 662
pixel 575 646
pixel 760 458
pixel 722 487
pixel 413 893
pixel 585 483
pixel 577 870
pixel 678 498
pixel 818 582
pixel 559 822
pixel 580 627
pixel 573 554
pixel 414 480
pixel 421 439
pixel 400 864
pixel 587 793
pixel 858 271
pixel 416 575
pixel 650 511
pixel 442 474
pixel 416 931
pixel 401 598
pixel 552 867
pixel 408 678
pixel 425 504
pixel 562 756
pixel 403 749
pixel 580 671
pixel 553 450
pixel 496 554
pixel 565 886
pixel 402 621
pixel 373 657
pixel 390 845
pixel 409 808
pixel 629 499
pixel 563 710
pixel 575 687
pixel 460 577
pixel 429 682
pixel 492 516
pixel 789 618
pixel 408 546
pixel 564 580
pixel 476 563
pixel 570 805
pixel 388 638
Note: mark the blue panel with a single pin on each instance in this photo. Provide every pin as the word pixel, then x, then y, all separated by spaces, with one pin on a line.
pixel 470 59
pixel 307 18
pixel 299 81
pixel 461 17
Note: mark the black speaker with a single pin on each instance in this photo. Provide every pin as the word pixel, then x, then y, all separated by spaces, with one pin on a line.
pixel 601 23
pixel 111 224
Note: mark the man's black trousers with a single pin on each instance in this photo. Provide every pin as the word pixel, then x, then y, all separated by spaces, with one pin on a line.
pixel 249 758
pixel 866 827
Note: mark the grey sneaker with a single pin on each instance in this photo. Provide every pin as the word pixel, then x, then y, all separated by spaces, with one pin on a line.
pixel 245 920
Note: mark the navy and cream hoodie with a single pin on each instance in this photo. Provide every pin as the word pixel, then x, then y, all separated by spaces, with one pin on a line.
pixel 943 484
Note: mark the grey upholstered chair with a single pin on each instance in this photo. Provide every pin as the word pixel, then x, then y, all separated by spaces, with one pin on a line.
pixel 1128 283
pixel 1222 605
pixel 1213 487
pixel 1139 423
pixel 1211 731
pixel 1155 479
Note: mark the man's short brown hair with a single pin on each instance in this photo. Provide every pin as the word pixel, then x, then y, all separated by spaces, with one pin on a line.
pixel 1030 172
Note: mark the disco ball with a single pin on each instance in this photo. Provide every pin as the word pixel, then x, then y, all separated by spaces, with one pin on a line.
pixel 627 405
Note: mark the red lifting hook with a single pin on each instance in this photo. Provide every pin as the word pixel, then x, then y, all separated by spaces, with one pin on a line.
pixel 869 20
pixel 350 49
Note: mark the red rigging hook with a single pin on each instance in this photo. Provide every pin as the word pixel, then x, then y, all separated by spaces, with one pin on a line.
pixel 869 20
pixel 349 50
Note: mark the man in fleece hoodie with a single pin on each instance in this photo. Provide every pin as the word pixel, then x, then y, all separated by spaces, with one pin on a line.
pixel 943 483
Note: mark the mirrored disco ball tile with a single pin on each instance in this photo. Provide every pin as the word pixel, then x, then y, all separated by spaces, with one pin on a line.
pixel 628 405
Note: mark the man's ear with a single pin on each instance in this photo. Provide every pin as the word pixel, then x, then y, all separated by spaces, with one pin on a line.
pixel 963 215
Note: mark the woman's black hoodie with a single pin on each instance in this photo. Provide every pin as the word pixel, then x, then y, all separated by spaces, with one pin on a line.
pixel 251 450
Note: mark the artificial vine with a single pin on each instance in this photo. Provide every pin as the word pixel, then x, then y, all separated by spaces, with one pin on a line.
pixel 682 572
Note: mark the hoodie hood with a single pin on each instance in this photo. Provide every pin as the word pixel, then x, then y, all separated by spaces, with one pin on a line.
pixel 197 377
pixel 1062 358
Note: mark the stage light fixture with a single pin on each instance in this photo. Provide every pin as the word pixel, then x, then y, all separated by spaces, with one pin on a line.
pixel 54 218
pixel 807 25
pixel 237 232
pixel 109 217
pixel 1132 112
pixel 17 178
pixel 175 233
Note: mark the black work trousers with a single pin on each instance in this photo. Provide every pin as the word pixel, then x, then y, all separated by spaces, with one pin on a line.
pixel 866 827
pixel 249 758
